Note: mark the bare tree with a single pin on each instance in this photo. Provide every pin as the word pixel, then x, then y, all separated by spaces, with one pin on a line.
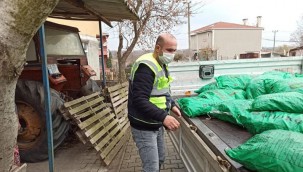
pixel 283 49
pixel 19 21
pixel 297 35
pixel 155 16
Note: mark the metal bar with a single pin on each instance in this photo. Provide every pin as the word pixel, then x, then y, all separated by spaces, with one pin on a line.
pixel 49 123
pixel 102 56
pixel 213 141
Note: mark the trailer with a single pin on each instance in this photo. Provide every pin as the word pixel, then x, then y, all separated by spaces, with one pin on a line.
pixel 201 141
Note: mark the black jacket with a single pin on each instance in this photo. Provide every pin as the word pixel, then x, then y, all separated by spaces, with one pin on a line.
pixel 138 100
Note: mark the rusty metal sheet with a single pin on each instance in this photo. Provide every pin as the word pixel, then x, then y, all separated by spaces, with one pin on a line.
pixel 114 10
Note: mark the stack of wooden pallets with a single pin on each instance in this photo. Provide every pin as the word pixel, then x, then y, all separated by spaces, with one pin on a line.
pixel 103 125
pixel 118 96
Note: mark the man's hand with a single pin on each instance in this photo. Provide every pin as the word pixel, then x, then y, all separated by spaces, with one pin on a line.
pixel 171 123
pixel 176 111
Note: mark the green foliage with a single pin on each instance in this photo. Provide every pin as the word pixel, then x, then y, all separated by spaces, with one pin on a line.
pixel 109 60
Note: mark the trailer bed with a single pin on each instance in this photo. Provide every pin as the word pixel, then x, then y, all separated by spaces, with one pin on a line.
pixel 216 135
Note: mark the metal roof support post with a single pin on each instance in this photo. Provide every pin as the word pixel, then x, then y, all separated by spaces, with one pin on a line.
pixel 49 123
pixel 102 56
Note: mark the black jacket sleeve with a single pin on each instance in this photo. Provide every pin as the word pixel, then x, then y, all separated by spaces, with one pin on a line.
pixel 142 88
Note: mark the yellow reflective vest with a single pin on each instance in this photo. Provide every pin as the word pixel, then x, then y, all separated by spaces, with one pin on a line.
pixel 161 83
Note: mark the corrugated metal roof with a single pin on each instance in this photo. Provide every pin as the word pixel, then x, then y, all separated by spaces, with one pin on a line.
pixel 105 10
pixel 224 25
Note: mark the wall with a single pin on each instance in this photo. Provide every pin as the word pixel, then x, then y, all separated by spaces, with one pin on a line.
pixel 92 54
pixel 85 27
pixel 201 41
pixel 230 43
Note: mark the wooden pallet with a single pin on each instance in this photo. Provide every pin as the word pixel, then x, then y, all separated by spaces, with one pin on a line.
pixel 98 125
pixel 118 96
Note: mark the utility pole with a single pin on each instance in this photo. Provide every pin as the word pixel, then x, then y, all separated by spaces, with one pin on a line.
pixel 274 31
pixel 188 25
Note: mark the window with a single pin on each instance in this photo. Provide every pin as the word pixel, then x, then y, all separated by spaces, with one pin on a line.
pixel 61 42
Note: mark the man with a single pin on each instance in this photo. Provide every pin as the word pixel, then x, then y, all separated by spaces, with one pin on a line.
pixel 149 102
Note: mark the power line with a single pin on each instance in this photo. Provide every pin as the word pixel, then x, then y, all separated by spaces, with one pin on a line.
pixel 278 40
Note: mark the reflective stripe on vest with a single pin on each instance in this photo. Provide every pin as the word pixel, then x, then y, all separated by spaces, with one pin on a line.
pixel 161 82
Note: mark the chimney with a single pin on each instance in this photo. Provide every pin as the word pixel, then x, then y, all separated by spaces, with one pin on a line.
pixel 259 21
pixel 245 21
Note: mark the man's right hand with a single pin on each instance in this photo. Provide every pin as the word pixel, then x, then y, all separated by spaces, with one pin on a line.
pixel 171 123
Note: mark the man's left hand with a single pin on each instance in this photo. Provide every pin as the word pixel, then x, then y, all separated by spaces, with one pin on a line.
pixel 176 111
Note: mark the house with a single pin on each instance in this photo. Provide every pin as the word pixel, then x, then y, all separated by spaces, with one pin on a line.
pixel 296 51
pixel 105 52
pixel 224 40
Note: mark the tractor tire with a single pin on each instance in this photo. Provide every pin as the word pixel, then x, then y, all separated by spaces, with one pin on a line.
pixel 32 137
pixel 90 88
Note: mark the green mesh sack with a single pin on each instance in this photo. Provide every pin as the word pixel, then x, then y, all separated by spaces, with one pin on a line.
pixel 271 151
pixel 236 94
pixel 257 85
pixel 255 88
pixel 286 85
pixel 230 111
pixel 298 75
pixel 286 102
pixel 278 74
pixel 196 106
pixel 223 94
pixel 233 81
pixel 257 122
pixel 210 86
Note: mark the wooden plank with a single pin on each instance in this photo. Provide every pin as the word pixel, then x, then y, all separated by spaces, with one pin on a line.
pixel 120 101
pixel 91 111
pixel 122 119
pixel 116 149
pixel 81 136
pixel 125 84
pixel 94 118
pixel 114 88
pixel 86 105
pixel 121 107
pixel 119 97
pixel 101 133
pixel 121 114
pixel 113 143
pixel 115 93
pixel 123 123
pixel 68 104
pixel 106 139
pixel 99 125
pixel 66 116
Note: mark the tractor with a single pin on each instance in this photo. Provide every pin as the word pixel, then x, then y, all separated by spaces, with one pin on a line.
pixel 68 69
pixel 69 78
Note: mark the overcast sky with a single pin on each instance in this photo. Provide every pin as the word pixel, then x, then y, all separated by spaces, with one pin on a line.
pixel 278 15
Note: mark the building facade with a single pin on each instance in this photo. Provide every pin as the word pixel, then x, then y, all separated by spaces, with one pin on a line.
pixel 224 40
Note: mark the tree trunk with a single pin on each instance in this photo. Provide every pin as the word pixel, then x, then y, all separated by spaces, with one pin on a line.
pixel 19 21
pixel 122 75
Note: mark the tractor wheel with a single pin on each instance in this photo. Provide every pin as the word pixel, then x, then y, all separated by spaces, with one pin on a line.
pixel 32 137
pixel 90 88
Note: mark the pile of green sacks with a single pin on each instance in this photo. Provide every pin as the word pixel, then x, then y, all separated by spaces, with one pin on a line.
pixel 268 102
